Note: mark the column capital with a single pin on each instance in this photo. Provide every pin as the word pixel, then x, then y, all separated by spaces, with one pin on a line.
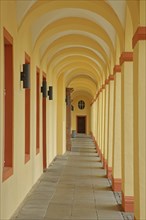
pixel 126 56
pixel 140 34
pixel 111 77
pixel 117 69
pixel 106 81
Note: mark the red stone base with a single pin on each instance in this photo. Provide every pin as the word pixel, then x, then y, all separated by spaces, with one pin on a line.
pixel 109 172
pixel 97 147
pixel 99 152
pixel 105 164
pixel 116 184
pixel 128 203
pixel 102 157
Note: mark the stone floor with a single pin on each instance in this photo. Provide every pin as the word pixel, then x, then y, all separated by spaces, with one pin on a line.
pixel 74 187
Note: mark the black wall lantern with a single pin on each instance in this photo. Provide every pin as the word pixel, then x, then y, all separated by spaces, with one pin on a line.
pixel 50 93
pixel 44 88
pixel 25 76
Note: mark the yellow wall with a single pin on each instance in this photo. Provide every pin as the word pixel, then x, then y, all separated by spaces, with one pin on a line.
pixel 61 116
pixel 16 187
pixel 78 112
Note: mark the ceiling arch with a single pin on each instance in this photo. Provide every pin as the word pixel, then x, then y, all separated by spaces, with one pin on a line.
pixel 72 41
pixel 104 9
pixel 83 75
pixel 79 93
pixel 78 55
pixel 76 61
pixel 71 16
pixel 79 26
pixel 53 50
pixel 83 86
pixel 75 38
pixel 78 71
pixel 78 49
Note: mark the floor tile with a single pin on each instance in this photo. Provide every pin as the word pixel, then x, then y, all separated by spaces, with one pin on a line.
pixel 74 187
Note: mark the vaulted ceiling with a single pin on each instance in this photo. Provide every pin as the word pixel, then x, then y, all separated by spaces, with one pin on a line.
pixel 76 38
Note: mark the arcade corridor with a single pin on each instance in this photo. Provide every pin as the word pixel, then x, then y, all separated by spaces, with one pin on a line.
pixel 72 67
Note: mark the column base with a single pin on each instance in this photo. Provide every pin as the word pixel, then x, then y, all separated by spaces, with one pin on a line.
pixel 97 149
pixel 96 146
pixel 116 184
pixel 109 172
pixel 102 157
pixel 105 164
pixel 99 152
pixel 128 203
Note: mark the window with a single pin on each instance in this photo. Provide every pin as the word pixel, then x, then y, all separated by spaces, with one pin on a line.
pixel 81 104
pixel 8 105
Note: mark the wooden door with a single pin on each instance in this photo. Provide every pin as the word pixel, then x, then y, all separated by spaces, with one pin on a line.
pixel 81 124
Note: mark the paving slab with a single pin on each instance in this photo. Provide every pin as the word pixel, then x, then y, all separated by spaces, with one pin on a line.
pixel 74 187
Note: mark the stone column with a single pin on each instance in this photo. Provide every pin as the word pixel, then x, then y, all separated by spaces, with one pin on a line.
pixel 116 162
pixel 106 124
pixel 126 62
pixel 100 122
pixel 68 118
pixel 110 128
pixel 103 124
pixel 139 91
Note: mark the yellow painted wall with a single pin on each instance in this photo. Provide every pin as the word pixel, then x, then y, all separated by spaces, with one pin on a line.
pixel 79 112
pixel 16 187
pixel 52 120
pixel 61 116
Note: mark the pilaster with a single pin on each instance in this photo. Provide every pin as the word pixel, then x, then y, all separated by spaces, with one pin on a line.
pixel 68 118
pixel 126 62
pixel 110 124
pixel 139 91
pixel 116 162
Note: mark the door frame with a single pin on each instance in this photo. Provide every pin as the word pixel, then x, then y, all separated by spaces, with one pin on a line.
pixel 83 116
